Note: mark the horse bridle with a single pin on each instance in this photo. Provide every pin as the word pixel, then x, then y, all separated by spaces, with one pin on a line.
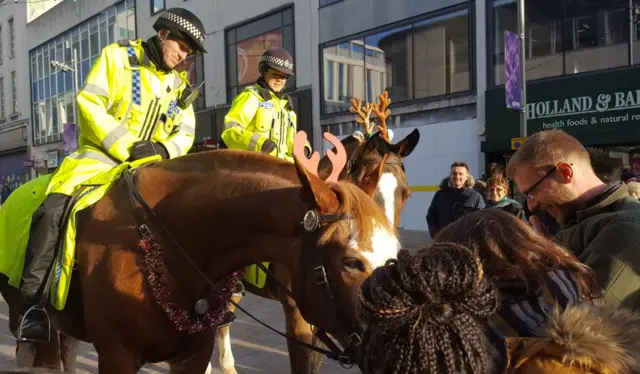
pixel 312 224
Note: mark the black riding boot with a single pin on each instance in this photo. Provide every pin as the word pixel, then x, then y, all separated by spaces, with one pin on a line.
pixel 43 238
pixel 230 316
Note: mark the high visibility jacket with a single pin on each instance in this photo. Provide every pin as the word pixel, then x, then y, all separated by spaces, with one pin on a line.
pixel 256 115
pixel 125 99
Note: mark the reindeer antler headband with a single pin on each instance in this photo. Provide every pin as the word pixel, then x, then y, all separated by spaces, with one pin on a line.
pixel 379 110
pixel 338 159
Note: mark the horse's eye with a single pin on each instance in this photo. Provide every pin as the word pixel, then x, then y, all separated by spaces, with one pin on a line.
pixel 353 264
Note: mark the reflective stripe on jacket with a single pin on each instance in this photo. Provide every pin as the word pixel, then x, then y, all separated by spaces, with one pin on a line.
pixel 256 115
pixel 125 99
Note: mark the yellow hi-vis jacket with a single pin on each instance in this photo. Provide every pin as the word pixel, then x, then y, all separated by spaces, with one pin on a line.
pixel 125 99
pixel 256 115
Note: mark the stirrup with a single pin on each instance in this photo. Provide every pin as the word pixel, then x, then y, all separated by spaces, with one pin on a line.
pixel 34 309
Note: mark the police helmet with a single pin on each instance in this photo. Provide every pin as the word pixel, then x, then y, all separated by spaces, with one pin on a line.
pixel 278 59
pixel 185 25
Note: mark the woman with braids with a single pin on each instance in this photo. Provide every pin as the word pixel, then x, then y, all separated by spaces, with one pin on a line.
pixel 426 313
pixel 533 274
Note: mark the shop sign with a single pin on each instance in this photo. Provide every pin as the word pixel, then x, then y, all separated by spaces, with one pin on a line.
pixel 598 109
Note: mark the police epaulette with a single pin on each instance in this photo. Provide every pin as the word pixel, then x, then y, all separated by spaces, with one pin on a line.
pixel 124 43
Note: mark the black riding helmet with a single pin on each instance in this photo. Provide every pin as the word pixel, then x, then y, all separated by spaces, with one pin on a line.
pixel 185 25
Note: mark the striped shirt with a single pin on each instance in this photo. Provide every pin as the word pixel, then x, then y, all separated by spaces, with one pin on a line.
pixel 529 315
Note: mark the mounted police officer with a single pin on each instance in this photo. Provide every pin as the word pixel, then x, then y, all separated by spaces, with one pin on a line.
pixel 261 117
pixel 134 105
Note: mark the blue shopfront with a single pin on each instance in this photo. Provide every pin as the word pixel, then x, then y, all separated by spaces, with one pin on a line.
pixel 14 169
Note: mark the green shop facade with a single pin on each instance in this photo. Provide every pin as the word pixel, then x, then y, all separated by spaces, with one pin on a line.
pixel 601 109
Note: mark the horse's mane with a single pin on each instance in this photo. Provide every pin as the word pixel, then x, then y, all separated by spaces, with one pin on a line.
pixel 351 198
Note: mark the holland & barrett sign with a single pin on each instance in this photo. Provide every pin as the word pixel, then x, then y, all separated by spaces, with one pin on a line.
pixel 598 108
pixel 601 109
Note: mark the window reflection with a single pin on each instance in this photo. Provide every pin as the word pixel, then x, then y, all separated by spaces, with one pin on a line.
pixel 420 60
pixel 53 91
pixel 584 38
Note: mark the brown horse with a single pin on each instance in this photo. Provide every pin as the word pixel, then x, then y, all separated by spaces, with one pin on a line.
pixel 374 165
pixel 210 214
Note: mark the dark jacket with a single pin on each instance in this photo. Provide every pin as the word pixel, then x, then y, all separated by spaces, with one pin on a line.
pixel 450 203
pixel 510 206
pixel 606 236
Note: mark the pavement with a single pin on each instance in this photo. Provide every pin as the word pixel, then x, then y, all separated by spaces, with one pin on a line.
pixel 255 349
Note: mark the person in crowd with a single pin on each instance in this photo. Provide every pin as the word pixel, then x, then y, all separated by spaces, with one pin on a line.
pixel 600 221
pixel 582 339
pixel 606 168
pixel 454 199
pixel 4 195
pixel 532 273
pixel 497 196
pixel 425 313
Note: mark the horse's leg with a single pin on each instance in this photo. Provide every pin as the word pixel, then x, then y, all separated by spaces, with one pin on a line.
pixel 39 355
pixel 302 360
pixel 116 359
pixel 69 348
pixel 197 363
pixel 223 335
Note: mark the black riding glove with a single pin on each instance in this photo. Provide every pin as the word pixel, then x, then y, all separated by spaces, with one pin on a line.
pixel 268 146
pixel 147 148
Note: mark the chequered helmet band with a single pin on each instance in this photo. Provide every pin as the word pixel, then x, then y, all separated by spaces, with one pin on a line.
pixel 278 61
pixel 191 29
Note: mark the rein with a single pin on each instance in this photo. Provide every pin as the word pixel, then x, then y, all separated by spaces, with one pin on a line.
pixel 311 223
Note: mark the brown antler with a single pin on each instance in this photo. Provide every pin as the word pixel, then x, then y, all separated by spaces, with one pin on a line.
pixel 381 111
pixel 363 112
pixel 338 158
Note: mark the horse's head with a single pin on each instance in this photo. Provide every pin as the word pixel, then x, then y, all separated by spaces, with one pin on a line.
pixel 367 152
pixel 345 236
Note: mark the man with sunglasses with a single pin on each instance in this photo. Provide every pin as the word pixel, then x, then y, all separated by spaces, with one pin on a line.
pixel 134 104
pixel 600 222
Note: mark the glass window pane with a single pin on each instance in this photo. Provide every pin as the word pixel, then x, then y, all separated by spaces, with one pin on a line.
pixel 54 115
pixel 441 55
pixel 232 68
pixel 34 92
pixel 258 27
pixel 131 24
pixel 157 5
pixel 388 64
pixel 68 81
pixel 343 73
pixel 84 45
pixel 104 38
pixel 61 76
pixel 94 41
pixel 47 86
pixel 248 55
pixel 287 16
pixel 45 63
pixel 596 40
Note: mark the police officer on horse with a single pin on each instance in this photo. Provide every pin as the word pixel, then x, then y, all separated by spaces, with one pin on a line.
pixel 134 105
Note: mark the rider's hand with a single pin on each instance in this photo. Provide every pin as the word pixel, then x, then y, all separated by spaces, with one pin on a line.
pixel 268 146
pixel 147 148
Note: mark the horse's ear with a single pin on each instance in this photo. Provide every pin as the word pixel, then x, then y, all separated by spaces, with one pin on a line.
pixel 406 145
pixel 314 191
pixel 369 183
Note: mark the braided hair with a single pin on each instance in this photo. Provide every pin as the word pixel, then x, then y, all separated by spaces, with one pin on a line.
pixel 422 313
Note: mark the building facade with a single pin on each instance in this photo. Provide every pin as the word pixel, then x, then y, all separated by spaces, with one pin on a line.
pixel 423 54
pixel 14 96
pixel 583 76
pixel 238 31
pixel 55 36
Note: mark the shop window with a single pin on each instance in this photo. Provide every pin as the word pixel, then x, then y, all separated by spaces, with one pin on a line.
pixel 157 6
pixel 246 43
pixel 427 58
pixel 562 39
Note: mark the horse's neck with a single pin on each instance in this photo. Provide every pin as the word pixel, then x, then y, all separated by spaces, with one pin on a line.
pixel 228 219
